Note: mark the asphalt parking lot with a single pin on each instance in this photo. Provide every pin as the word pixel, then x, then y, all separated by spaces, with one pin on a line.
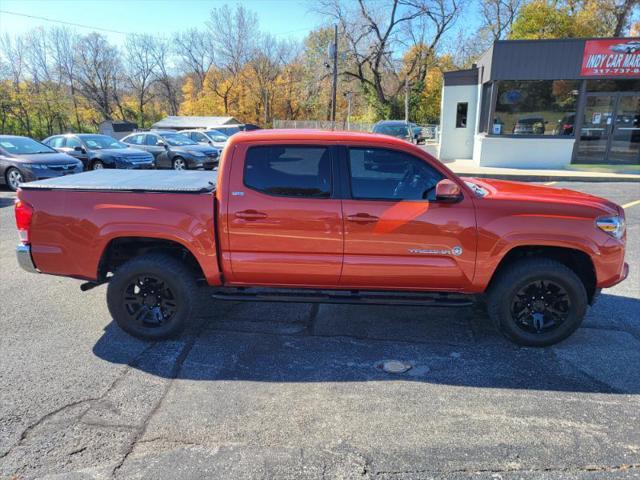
pixel 295 391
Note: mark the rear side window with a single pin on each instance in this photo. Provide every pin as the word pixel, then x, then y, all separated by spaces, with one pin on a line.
pixel 152 140
pixel 56 142
pixel 381 174
pixel 135 139
pixel 289 171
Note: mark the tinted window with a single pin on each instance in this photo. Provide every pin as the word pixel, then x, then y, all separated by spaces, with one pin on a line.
pixel 198 137
pixel 461 115
pixel 289 171
pixel 394 130
pixel 73 142
pixel 391 175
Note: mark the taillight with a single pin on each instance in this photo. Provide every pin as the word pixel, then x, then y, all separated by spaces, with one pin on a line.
pixel 24 213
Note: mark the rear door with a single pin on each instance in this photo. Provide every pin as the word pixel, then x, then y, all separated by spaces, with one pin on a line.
pixel 284 221
pixel 396 234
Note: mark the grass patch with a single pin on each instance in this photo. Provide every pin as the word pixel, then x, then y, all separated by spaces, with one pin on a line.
pixel 604 167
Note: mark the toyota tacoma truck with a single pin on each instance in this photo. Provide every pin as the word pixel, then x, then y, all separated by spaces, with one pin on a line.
pixel 335 217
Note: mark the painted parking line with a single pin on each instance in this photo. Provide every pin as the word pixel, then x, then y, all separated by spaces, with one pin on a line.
pixel 631 204
pixel 550 183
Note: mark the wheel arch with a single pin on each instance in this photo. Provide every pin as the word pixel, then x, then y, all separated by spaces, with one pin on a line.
pixel 121 249
pixel 577 260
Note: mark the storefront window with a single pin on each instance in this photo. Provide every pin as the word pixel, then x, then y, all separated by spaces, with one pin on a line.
pixel 536 107
pixel 613 85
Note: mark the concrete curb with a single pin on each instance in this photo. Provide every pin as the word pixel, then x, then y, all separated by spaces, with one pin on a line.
pixel 525 177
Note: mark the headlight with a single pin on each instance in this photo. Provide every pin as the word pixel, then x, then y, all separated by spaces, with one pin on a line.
pixel 37 166
pixel 612 225
pixel 197 154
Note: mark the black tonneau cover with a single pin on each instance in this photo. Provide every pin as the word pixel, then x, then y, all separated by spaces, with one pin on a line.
pixel 131 181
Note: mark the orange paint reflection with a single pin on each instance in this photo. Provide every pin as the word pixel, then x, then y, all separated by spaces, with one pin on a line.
pixel 399 214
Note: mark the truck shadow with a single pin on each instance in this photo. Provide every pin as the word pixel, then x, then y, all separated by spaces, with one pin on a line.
pixel 329 343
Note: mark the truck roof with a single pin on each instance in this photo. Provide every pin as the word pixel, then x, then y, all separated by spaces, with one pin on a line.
pixel 283 135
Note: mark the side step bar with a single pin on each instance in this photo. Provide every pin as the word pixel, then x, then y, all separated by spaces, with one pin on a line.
pixel 352 297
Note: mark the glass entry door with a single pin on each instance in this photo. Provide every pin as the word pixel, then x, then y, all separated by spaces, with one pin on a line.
pixel 625 139
pixel 610 131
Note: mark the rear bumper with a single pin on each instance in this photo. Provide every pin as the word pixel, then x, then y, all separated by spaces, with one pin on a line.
pixel 23 253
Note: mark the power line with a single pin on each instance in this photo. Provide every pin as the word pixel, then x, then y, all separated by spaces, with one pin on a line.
pixel 71 24
pixel 118 32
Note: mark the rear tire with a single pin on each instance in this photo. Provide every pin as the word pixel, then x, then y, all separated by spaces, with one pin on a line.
pixel 151 297
pixel 516 302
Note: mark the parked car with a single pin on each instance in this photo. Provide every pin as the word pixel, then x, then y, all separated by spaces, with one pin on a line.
pixel 304 217
pixel 420 134
pixel 249 127
pixel 529 126
pixel 227 130
pixel 100 151
pixel 174 150
pixel 207 137
pixel 22 159
pixel 396 128
pixel 565 125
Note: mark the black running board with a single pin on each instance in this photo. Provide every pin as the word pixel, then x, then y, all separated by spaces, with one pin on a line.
pixel 351 297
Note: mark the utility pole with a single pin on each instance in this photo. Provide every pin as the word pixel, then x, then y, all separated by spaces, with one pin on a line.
pixel 406 99
pixel 334 89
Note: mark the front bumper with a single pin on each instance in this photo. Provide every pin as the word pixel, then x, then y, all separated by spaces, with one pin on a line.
pixel 23 253
pixel 32 174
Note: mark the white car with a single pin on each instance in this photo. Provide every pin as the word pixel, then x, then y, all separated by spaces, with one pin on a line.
pixel 207 137
pixel 627 47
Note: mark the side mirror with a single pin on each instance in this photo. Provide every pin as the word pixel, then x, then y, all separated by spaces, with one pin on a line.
pixel 447 191
pixel 162 144
pixel 210 142
pixel 79 149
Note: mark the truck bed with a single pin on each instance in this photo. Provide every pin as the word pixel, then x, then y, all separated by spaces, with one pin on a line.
pixel 161 181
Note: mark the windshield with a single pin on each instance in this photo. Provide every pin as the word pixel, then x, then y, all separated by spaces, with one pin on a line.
pixel 393 130
pixel 23 146
pixel 217 136
pixel 177 139
pixel 102 142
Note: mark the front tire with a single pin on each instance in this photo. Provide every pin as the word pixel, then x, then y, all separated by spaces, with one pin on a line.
pixel 179 163
pixel 13 178
pixel 97 165
pixel 151 297
pixel 537 302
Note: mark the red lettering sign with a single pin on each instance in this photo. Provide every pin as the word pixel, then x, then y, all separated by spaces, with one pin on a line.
pixel 619 57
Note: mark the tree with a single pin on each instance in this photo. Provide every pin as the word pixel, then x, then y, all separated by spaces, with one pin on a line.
pixel 373 32
pixel 195 50
pixel 141 66
pixel 498 17
pixel 98 72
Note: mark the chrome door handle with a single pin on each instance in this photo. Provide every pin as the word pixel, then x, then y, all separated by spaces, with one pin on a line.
pixel 250 215
pixel 362 218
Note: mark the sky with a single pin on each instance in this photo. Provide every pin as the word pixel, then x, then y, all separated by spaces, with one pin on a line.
pixel 283 18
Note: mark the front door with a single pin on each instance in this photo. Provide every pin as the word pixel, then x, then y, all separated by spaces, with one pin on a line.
pixel 283 221
pixel 396 234
pixel 610 131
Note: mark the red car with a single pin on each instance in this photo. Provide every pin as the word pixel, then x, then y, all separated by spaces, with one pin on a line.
pixel 309 216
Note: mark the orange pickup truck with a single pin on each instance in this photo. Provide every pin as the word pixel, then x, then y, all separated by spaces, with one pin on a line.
pixel 335 217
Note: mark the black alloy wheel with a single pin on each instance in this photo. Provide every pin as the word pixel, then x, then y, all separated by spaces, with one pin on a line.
pixel 152 296
pixel 540 306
